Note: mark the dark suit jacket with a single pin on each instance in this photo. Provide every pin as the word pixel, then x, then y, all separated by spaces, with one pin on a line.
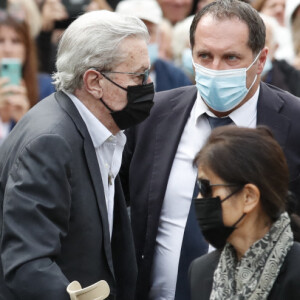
pixel 286 285
pixel 54 217
pixel 284 76
pixel 168 76
pixel 151 147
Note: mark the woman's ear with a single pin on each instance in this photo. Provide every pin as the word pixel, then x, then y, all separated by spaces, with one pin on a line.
pixel 92 83
pixel 251 197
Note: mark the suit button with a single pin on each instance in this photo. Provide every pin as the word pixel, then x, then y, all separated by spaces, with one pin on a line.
pixel 143 256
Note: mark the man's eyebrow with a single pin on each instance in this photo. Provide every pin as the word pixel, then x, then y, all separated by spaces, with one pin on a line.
pixel 232 53
pixel 202 51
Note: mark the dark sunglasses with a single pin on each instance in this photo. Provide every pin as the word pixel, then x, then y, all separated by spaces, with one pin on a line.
pixel 205 188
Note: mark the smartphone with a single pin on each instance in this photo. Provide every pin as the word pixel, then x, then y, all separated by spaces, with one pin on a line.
pixel 11 69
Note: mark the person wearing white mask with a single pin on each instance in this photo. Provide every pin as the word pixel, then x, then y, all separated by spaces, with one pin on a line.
pixel 227 39
pixel 165 74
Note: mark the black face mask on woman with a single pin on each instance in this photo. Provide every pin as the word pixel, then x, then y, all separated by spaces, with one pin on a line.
pixel 210 220
pixel 140 102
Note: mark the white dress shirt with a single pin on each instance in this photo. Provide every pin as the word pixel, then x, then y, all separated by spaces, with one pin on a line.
pixel 179 193
pixel 108 148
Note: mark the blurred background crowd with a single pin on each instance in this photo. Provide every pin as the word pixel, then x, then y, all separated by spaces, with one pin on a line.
pixel 30 31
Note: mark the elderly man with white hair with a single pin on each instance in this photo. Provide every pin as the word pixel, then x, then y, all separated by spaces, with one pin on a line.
pixel 63 213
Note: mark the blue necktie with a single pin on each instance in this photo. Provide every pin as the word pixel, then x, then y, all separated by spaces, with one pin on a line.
pixel 193 243
pixel 217 122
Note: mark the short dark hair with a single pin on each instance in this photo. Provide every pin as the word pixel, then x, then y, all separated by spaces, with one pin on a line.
pixel 247 155
pixel 227 9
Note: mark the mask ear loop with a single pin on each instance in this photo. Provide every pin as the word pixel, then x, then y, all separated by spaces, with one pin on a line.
pixel 252 83
pixel 226 198
pixel 111 110
pixel 239 220
pixel 106 77
pixel 116 84
pixel 231 194
pixel 250 67
pixel 254 61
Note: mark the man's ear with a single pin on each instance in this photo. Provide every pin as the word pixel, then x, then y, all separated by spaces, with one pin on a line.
pixel 251 197
pixel 92 83
pixel 262 59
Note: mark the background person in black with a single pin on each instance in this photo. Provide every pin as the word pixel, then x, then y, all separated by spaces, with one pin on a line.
pixel 278 72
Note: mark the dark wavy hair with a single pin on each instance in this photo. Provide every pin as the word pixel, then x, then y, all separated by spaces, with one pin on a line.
pixel 246 155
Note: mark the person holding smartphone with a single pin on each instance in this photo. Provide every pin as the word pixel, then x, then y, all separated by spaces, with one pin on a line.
pixel 17 95
pixel 14 101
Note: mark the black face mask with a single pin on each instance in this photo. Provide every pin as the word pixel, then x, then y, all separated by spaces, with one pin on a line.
pixel 140 102
pixel 210 220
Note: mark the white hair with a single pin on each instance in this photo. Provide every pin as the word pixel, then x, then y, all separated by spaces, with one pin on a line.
pixel 93 40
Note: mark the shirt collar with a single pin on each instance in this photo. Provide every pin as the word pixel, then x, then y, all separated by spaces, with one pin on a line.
pixel 98 132
pixel 244 115
pixel 199 109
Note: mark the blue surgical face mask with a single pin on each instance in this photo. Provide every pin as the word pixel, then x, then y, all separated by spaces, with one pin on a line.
pixel 222 90
pixel 187 61
pixel 153 52
pixel 268 66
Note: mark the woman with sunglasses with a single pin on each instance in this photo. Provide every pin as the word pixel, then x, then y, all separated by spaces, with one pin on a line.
pixel 16 98
pixel 241 209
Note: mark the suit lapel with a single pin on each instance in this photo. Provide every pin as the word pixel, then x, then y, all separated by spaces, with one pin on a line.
pixel 92 162
pixel 93 166
pixel 168 130
pixel 268 113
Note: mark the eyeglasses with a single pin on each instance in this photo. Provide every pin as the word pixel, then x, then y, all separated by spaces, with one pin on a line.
pixel 144 75
pixel 205 188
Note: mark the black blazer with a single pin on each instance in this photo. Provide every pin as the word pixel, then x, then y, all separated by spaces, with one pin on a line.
pixel 54 224
pixel 286 285
pixel 151 148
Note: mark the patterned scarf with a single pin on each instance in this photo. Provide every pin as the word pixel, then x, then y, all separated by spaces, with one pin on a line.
pixel 253 276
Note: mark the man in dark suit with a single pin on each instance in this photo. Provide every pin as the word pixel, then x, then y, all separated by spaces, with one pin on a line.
pixel 157 172
pixel 63 214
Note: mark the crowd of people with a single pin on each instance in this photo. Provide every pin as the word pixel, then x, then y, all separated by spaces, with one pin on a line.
pixel 168 23
pixel 149 149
